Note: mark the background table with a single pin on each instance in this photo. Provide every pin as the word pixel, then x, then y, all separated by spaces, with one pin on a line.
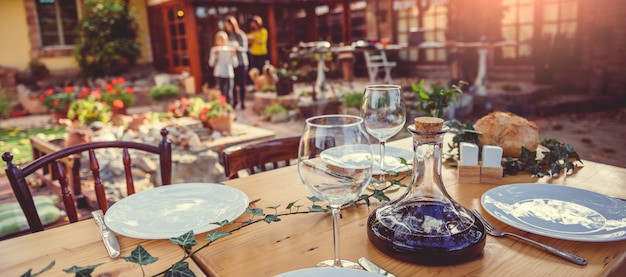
pixel 300 241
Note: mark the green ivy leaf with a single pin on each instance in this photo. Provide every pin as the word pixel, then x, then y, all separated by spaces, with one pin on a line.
pixel 556 169
pixel 82 271
pixel 404 161
pixel 569 167
pixel 291 205
pixel 271 218
pixel 222 223
pixel 255 211
pixel 140 256
pixel 179 269
pixel 528 157
pixel 317 208
pixel 365 198
pixel 314 199
pixel 213 236
pixel 28 273
pixel 380 195
pixel 187 240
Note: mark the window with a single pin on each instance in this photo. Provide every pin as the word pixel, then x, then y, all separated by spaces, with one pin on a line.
pixel 432 20
pixel 435 24
pixel 517 25
pixel 57 21
pixel 544 30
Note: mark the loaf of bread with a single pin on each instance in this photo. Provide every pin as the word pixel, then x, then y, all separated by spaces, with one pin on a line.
pixel 508 131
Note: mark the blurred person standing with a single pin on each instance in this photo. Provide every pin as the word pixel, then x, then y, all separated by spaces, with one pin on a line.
pixel 257 38
pixel 239 40
pixel 223 59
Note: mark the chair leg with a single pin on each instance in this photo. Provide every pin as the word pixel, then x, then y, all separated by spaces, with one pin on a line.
pixel 388 75
pixel 372 72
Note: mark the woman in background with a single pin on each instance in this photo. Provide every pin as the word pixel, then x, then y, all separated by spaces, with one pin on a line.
pixel 257 38
pixel 238 39
pixel 223 59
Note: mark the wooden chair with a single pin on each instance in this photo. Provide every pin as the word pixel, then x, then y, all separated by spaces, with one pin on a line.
pixel 17 175
pixel 255 157
pixel 376 61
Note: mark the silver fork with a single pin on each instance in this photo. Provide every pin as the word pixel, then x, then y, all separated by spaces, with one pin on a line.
pixel 492 230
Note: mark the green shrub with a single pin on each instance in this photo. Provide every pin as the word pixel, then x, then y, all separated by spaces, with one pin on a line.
pixel 268 88
pixel 275 108
pixel 38 70
pixel 5 104
pixel 352 100
pixel 107 38
pixel 164 92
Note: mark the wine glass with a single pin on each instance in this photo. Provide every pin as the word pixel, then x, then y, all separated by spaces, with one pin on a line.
pixel 335 165
pixel 384 114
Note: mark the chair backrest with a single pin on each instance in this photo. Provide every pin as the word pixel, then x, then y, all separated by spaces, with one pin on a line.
pixel 17 175
pixel 256 156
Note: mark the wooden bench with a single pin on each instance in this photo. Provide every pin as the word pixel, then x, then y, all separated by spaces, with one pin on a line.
pixel 376 61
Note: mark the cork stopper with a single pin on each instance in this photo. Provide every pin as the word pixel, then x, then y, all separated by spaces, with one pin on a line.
pixel 428 124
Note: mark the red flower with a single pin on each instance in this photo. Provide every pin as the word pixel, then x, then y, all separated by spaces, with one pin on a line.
pixel 49 91
pixel 42 97
pixel 96 93
pixel 117 103
pixel 84 92
pixel 56 102
pixel 223 99
pixel 109 87
pixel 69 89
pixel 121 80
pixel 130 90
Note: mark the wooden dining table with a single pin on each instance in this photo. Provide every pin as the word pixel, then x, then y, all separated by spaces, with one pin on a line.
pixel 299 241
pixel 79 244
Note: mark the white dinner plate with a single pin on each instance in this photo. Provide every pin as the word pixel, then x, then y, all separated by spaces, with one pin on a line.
pixel 328 272
pixel 350 154
pixel 558 211
pixel 170 211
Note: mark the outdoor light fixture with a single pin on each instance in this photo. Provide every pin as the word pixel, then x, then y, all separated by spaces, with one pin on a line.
pixel 180 13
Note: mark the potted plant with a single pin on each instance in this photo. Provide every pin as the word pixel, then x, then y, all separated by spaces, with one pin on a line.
pixel 352 102
pixel 217 115
pixel 118 95
pixel 164 95
pixel 195 106
pixel 88 110
pixel 276 113
pixel 436 102
pixel 286 77
pixel 58 101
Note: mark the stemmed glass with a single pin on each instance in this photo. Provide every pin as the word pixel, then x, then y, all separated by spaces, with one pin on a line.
pixel 335 165
pixel 384 114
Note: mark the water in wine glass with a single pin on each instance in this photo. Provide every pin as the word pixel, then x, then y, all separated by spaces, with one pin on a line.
pixel 335 165
pixel 384 114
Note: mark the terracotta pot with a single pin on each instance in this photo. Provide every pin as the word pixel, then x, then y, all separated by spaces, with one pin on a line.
pixel 118 111
pixel 59 115
pixel 221 124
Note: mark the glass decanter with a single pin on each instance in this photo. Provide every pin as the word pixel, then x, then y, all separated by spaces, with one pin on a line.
pixel 425 225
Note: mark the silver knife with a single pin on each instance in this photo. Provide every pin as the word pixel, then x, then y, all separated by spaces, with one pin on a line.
pixel 372 267
pixel 108 237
